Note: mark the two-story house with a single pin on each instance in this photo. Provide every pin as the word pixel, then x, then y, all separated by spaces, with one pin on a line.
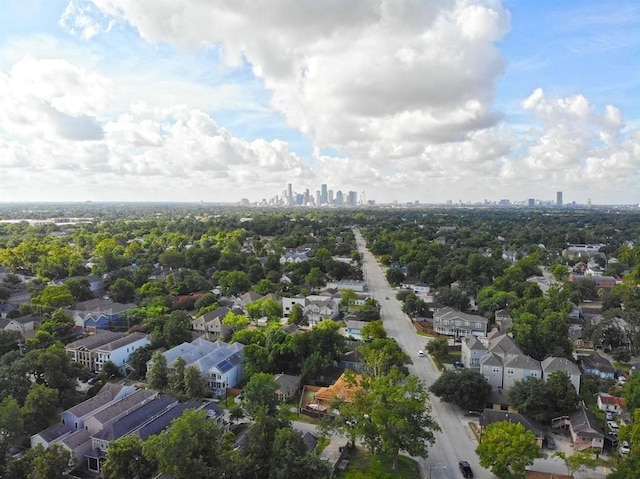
pixel 24 324
pixel 518 367
pixel 472 351
pixel 219 363
pixel 454 323
pixel 598 366
pixel 96 314
pixel 209 325
pixel 553 364
pixel 96 349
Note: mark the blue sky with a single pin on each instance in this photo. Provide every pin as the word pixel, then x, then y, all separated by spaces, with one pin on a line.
pixel 405 100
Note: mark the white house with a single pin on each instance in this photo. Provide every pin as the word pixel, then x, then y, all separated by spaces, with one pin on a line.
pixel 219 363
pixel 96 349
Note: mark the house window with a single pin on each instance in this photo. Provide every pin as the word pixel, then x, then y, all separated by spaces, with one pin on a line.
pixel 496 369
pixel 533 373
pixel 509 371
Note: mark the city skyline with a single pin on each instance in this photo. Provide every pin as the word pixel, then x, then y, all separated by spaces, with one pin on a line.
pixel 465 101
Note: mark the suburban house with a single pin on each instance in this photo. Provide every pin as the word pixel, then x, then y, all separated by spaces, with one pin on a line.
pixel 598 366
pixel 490 416
pixel 289 303
pixel 24 324
pixel 585 430
pixel 416 287
pixel 354 329
pixel 609 403
pixel 450 322
pixel 318 308
pixel 503 319
pixel 472 350
pixel 518 367
pixel 96 349
pixel 97 313
pixel 209 325
pixel 294 257
pixel 553 364
pixel 219 363
pixel 288 386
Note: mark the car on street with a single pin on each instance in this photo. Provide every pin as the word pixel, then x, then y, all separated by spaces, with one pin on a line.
pixel 421 353
pixel 465 469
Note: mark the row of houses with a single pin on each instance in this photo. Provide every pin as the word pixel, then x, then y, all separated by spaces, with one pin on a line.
pixel 118 410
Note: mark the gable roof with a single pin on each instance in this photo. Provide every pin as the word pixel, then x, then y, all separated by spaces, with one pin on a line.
pixel 553 364
pixel 491 359
pixel 503 344
pixel 612 400
pixel 595 361
pixel 585 423
pixel 125 404
pixel 489 416
pixel 521 361
pixel 474 343
pixel 124 341
pixel 450 313
pixel 107 393
pixel 94 341
pixel 101 305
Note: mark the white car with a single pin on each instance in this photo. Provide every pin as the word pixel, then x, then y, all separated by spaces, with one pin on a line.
pixel 421 353
pixel 624 448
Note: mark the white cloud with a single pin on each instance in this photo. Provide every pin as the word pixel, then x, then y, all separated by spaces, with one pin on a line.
pixel 84 20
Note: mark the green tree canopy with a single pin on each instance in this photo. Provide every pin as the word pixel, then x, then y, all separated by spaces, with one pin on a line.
pixel 507 448
pixel 260 396
pixel 467 389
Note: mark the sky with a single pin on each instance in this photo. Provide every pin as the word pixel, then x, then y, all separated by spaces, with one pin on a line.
pixel 404 100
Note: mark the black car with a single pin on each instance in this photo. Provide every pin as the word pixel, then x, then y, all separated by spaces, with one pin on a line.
pixel 549 442
pixel 465 468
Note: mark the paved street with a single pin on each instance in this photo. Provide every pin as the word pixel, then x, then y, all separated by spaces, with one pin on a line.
pixel 455 442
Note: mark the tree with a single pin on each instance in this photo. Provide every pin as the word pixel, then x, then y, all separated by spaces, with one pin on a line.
pixel 41 463
pixel 631 393
pixel 195 386
pixel 40 407
pixel 347 297
pixel 296 316
pixel 80 289
pixel 122 291
pixel 289 458
pixel 627 468
pixel 52 297
pixel 315 278
pixel 176 375
pixel 235 322
pixel 158 373
pixel 393 415
pixel 507 448
pixel 260 396
pixel 438 348
pixel 236 413
pixel 383 354
pixel 373 330
pixel 467 389
pixel 11 427
pixel 192 447
pixel 578 460
pixel 543 400
pixel 125 459
pixel 394 276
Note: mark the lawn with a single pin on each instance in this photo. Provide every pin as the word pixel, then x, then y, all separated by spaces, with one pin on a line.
pixel 364 466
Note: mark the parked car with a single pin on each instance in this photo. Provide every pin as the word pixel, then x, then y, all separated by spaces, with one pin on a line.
pixel 92 380
pixel 458 365
pixel 624 448
pixel 609 415
pixel 465 469
pixel 421 353
pixel 549 443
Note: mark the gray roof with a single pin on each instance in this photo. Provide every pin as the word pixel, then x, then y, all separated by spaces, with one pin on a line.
pixel 75 439
pixel 450 313
pixel 491 359
pixel 102 305
pixel 585 423
pixel 94 341
pixel 106 394
pixel 54 432
pixel 595 361
pixel 118 343
pixel 137 418
pixel 552 364
pixel 489 416
pixel 134 400
pixel 287 382
pixel 503 344
pixel 474 343
pixel 521 361
pixel 161 422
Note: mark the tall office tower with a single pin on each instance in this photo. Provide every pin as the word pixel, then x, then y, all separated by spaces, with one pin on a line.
pixel 339 198
pixel 532 202
pixel 363 198
pixel 330 200
pixel 324 197
pixel 307 197
pixel 353 198
pixel 290 194
pixel 318 198
pixel 559 199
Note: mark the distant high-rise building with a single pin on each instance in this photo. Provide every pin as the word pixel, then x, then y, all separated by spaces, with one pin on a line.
pixel 324 196
pixel 290 194
pixel 339 198
pixel 307 197
pixel 559 199
pixel 353 198
pixel 330 200
pixel 318 198
pixel 532 202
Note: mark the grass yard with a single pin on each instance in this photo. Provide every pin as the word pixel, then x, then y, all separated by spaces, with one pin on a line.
pixel 364 466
